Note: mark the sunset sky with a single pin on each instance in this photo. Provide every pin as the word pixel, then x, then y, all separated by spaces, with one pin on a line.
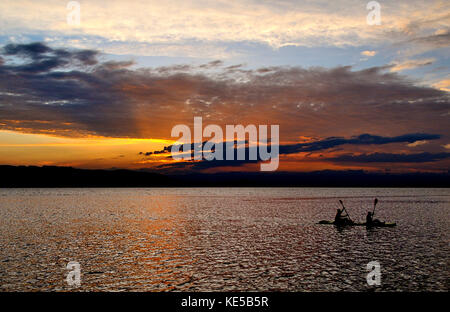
pixel 107 91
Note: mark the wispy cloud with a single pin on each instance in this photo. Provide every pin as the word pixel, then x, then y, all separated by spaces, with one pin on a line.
pixel 443 85
pixel 417 143
pixel 390 158
pixel 168 24
pixel 411 64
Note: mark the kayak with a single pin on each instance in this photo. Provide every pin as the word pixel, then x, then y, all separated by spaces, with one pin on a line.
pixel 386 224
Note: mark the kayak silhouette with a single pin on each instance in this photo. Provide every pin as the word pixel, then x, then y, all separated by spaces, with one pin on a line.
pixel 384 224
pixel 342 219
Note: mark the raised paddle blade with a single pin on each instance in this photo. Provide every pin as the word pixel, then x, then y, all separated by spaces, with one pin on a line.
pixel 374 205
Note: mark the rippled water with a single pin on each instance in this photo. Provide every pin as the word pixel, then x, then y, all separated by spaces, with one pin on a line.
pixel 214 239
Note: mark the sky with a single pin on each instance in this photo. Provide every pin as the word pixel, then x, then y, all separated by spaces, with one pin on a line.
pixel 105 90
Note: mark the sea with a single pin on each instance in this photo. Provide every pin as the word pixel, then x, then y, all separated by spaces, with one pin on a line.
pixel 222 239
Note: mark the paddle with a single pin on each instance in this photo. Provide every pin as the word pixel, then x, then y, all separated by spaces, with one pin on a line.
pixel 345 209
pixel 374 205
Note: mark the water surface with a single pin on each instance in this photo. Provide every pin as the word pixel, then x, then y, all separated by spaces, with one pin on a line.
pixel 221 239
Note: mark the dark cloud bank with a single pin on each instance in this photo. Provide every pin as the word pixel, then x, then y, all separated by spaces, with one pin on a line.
pixel 74 92
pixel 320 145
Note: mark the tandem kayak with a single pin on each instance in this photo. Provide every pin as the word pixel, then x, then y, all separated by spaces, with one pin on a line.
pixel 385 224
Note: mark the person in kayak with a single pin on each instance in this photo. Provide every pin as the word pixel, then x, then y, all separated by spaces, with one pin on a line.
pixel 371 222
pixel 340 218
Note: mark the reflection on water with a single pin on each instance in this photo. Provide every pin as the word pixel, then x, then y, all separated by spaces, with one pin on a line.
pixel 221 239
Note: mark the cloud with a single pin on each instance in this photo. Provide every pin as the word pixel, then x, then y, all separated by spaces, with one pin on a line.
pixel 186 26
pixel 443 85
pixel 411 64
pixel 318 145
pixel 44 58
pixel 369 53
pixel 34 50
pixel 146 153
pixel 389 158
pixel 69 92
pixel 212 64
pixel 191 147
pixel 439 40
pixel 363 139
pixel 39 51
pixel 417 143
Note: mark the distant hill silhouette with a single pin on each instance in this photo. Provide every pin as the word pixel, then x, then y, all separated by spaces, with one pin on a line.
pixel 50 176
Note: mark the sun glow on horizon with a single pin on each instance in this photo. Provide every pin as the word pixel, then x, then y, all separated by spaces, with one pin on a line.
pixel 89 152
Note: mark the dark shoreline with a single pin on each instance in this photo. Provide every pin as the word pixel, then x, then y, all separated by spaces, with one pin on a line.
pixel 50 176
